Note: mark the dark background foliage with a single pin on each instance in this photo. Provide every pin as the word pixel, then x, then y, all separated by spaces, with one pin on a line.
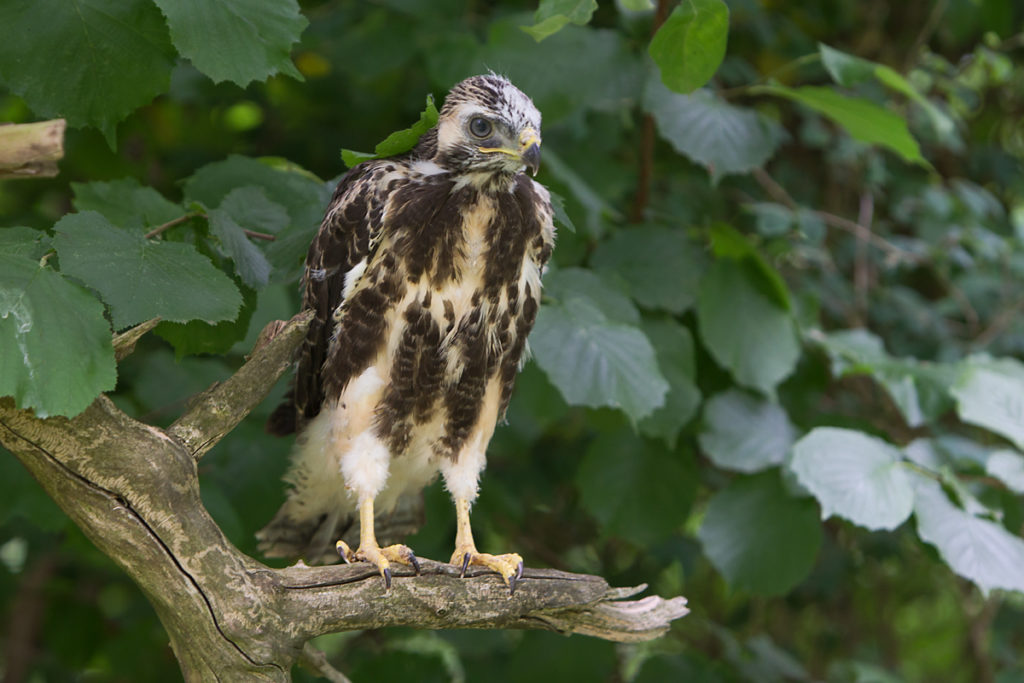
pixel 792 294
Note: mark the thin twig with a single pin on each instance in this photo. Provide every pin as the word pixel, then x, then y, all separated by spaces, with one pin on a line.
pixel 316 661
pixel 769 77
pixel 979 636
pixel 780 195
pixel 925 34
pixel 966 307
pixel 170 224
pixel 861 265
pixel 859 230
pixel 124 343
pixel 998 325
pixel 778 192
pixel 643 183
pixel 259 235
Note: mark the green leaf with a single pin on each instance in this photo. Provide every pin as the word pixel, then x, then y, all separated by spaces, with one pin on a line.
pixel 690 45
pixel 353 158
pixel 863 120
pixel 198 337
pixel 1008 467
pixel 21 241
pixel 661 265
pixel 141 279
pixel 772 220
pixel 854 476
pixel 626 462
pixel 561 217
pixel 976 549
pixel 743 330
pixel 704 127
pixel 403 140
pixel 594 205
pixel 760 538
pixel 745 433
pixel 301 193
pixel 577 69
pixel 918 389
pixel 845 69
pixel 587 350
pixel 236 40
pixel 729 243
pixel 553 15
pixel 848 70
pixel 586 285
pixel 400 141
pixel 250 263
pixel 990 393
pixel 247 208
pixel 126 203
pixel 250 208
pixel 103 58
pixel 55 350
pixel 673 346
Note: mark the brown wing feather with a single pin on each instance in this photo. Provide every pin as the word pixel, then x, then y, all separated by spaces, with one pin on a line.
pixel 346 237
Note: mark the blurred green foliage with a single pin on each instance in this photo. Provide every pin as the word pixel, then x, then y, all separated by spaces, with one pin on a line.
pixel 795 289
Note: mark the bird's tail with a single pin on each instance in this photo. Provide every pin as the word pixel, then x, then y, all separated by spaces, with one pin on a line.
pixel 282 421
pixel 313 539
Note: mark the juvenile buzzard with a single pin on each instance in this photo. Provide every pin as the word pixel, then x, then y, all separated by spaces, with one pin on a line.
pixel 425 279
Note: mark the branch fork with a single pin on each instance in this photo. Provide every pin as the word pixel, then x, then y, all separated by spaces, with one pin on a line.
pixel 134 490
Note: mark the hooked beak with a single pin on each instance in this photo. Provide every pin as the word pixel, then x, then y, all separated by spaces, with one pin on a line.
pixel 529 149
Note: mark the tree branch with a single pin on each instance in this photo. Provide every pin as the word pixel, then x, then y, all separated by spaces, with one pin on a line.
pixel 31 150
pixel 438 599
pixel 859 231
pixel 220 408
pixel 647 139
pixel 124 343
pixel 316 661
pixel 134 491
pixel 171 223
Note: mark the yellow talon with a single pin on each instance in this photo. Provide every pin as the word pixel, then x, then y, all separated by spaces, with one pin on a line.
pixel 509 565
pixel 370 551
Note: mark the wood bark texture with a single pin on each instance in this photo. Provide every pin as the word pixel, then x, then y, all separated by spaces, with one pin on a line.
pixel 134 491
pixel 31 150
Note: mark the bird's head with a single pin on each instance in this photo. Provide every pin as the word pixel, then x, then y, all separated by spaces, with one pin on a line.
pixel 487 126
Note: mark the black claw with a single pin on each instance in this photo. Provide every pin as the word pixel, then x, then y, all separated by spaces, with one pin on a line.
pixel 465 563
pixel 387 578
pixel 415 563
pixel 513 581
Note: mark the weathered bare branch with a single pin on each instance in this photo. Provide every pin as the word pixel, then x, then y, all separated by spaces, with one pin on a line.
pixel 31 150
pixel 438 599
pixel 316 661
pixel 220 408
pixel 124 342
pixel 134 491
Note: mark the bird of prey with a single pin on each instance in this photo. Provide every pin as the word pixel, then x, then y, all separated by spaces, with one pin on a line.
pixel 425 279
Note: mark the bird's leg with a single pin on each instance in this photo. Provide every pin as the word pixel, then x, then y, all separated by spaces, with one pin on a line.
pixel 370 551
pixel 509 565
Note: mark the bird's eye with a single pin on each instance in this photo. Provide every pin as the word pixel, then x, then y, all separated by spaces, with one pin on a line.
pixel 480 127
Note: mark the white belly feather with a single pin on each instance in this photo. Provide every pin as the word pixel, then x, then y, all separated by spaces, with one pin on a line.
pixel 339 457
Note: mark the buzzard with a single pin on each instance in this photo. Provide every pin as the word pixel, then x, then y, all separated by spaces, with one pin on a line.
pixel 425 279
